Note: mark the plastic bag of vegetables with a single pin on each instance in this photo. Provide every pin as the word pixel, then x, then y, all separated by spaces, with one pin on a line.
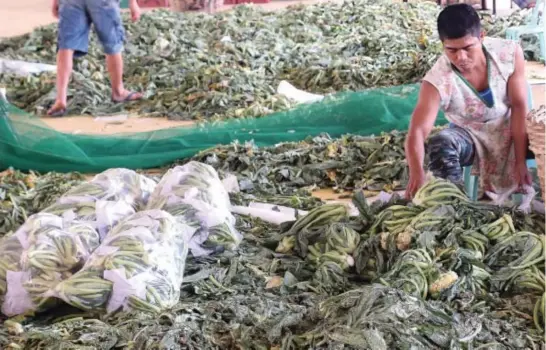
pixel 139 266
pixel 114 185
pixel 42 252
pixel 101 214
pixel 194 194
pixel 109 197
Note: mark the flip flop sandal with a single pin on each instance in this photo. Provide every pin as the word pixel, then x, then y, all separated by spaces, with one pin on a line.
pixel 58 113
pixel 127 99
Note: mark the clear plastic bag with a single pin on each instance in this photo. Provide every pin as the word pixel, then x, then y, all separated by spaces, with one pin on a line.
pixel 139 266
pixel 109 197
pixel 54 244
pixel 114 185
pixel 195 195
pixel 103 215
pixel 196 180
pixel 41 253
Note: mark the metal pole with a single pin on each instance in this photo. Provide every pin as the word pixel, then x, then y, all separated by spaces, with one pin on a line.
pixel 484 5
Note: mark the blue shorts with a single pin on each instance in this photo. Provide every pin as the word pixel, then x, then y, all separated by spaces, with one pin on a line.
pixel 76 17
pixel 523 4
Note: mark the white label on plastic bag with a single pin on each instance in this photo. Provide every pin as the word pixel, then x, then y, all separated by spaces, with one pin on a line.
pixel 104 250
pixel 36 222
pixel 69 215
pixel 123 288
pixel 17 300
pixel 196 249
pixel 231 184
pixel 109 213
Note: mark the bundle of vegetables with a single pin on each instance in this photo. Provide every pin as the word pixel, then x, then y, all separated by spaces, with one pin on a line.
pixel 500 229
pixel 194 194
pixel 438 191
pixel 413 271
pixel 452 247
pixel 139 266
pixel 478 228
pixel 42 252
pixel 513 255
pixel 325 238
pixel 338 246
pixel 518 261
pixel 400 233
pixel 472 272
pixel 105 200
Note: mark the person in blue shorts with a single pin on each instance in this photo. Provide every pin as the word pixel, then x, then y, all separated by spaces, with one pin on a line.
pixel 75 20
pixel 525 4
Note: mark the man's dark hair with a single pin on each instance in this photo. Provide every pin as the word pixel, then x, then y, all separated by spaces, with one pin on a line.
pixel 457 21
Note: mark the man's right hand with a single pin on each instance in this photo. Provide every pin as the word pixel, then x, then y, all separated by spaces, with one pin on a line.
pixel 416 180
pixel 421 124
pixel 55 8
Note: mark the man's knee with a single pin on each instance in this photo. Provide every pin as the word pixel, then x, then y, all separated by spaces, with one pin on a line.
pixel 440 143
pixel 443 151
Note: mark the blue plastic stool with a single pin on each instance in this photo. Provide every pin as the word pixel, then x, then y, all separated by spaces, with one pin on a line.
pixel 471 181
pixel 533 26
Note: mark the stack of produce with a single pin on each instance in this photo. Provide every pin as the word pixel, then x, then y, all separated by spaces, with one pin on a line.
pixel 518 261
pixel 455 246
pixel 139 266
pixel 55 243
pixel 198 66
pixel 325 239
pixel 105 200
pixel 301 297
pixel 42 252
pixel 346 163
pixel 194 194
pixel 440 246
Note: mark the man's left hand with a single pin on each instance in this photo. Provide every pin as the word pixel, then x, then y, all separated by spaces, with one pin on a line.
pixel 523 177
pixel 135 11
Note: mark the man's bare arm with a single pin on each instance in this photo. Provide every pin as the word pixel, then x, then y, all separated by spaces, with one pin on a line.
pixel 135 10
pixel 55 8
pixel 517 93
pixel 422 122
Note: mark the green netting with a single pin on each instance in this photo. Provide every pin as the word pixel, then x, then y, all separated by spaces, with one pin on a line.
pixel 27 143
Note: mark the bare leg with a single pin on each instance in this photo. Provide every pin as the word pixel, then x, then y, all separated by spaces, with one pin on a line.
pixel 64 70
pixel 114 63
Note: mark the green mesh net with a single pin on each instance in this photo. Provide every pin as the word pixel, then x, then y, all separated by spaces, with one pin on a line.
pixel 27 143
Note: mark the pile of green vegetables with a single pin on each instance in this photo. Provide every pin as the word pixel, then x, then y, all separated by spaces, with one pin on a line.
pixel 438 272
pixel 199 66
